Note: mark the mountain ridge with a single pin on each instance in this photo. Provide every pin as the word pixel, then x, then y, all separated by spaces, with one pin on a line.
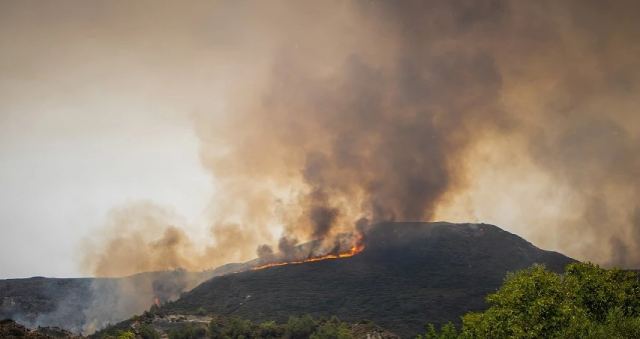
pixel 408 274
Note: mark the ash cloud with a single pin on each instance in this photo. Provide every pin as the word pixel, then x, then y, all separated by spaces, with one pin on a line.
pixel 379 135
pixel 344 114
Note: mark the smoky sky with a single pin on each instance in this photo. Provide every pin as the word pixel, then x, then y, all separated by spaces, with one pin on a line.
pixel 388 132
pixel 338 113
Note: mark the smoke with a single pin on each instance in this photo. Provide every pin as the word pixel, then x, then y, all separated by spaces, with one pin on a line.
pixel 84 305
pixel 341 114
pixel 566 175
pixel 364 137
pixel 113 300
pixel 145 237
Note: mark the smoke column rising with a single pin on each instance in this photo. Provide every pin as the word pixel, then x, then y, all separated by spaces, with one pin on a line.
pixel 346 113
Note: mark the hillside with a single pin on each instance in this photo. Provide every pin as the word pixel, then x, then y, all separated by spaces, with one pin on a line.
pixel 408 274
pixel 9 329
pixel 87 304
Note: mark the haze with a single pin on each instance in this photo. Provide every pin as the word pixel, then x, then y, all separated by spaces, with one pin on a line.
pixel 139 136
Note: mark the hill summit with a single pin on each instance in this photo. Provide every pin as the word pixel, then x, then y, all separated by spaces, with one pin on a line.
pixel 408 274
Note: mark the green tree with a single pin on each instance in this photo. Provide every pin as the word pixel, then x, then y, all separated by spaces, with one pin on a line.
pixel 238 328
pixel 430 334
pixel 585 302
pixel 447 331
pixel 300 327
pixel 332 329
pixel 126 335
pixel 188 331
pixel 536 303
pixel 146 331
pixel 216 328
pixel 269 330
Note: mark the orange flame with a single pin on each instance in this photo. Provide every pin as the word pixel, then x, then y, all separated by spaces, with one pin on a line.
pixel 355 249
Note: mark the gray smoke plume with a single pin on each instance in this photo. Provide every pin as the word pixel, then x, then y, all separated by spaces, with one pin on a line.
pixel 521 114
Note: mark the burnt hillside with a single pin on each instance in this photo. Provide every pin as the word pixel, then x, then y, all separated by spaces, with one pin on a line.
pixel 408 274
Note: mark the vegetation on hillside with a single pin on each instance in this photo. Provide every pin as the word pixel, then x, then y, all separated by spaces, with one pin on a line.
pixel 304 327
pixel 408 273
pixel 296 328
pixel 585 302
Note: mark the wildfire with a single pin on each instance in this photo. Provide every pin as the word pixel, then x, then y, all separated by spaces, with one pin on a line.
pixel 355 249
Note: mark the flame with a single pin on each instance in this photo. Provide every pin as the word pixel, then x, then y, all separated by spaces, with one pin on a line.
pixel 355 249
pixel 156 301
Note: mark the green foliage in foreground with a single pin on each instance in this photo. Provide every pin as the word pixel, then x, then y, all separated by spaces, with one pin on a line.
pixel 148 332
pixel 126 335
pixel 584 302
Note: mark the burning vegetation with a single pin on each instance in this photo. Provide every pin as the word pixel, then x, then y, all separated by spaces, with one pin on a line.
pixel 356 247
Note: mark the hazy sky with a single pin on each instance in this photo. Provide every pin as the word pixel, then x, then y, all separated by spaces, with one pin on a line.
pixel 145 135
pixel 97 106
pixel 88 123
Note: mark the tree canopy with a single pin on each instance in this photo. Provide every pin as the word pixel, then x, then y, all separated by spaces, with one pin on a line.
pixel 585 302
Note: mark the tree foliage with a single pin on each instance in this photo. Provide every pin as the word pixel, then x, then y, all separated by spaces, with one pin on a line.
pixel 189 331
pixel 585 302
pixel 300 327
pixel 126 335
pixel 332 329
pixel 303 327
pixel 147 331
